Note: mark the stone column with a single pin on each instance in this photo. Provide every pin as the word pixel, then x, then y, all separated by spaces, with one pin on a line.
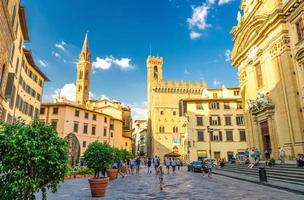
pixel 272 134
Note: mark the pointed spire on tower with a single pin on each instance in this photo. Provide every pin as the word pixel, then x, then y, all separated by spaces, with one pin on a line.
pixel 85 52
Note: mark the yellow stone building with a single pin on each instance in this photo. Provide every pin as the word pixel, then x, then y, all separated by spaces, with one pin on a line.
pixel 89 120
pixel 268 52
pixel 167 126
pixel 221 111
pixel 21 80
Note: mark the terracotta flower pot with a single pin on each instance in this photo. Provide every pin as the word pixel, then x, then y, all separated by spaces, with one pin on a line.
pixel 99 186
pixel 112 173
pixel 123 169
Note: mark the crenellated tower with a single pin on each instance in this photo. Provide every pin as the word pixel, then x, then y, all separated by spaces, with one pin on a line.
pixel 83 73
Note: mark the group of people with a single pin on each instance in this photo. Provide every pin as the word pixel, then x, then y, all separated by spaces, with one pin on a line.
pixel 252 157
pixel 172 163
pixel 300 160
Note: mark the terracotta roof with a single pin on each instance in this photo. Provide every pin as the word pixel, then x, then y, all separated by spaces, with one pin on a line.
pixel 30 60
pixel 23 23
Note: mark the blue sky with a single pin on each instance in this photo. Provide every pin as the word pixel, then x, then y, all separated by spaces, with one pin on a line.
pixel 193 36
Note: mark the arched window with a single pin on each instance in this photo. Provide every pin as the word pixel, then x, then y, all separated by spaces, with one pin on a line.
pixel 161 129
pixel 155 72
pixel 87 75
pixel 175 129
pixel 80 74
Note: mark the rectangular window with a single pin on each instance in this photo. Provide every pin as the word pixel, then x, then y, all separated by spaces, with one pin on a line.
pixel 239 105
pixel 54 123
pixel 84 144
pixel 105 132
pixel 300 29
pixel 228 120
pixel 94 117
pixel 111 134
pixel 215 120
pixel 85 128
pixel 55 110
pixel 86 115
pixel 199 106
pixel 240 120
pixel 12 54
pixel 75 129
pixel 174 113
pixel 259 77
pixel 236 93
pixel 76 113
pixel 105 120
pixel 226 106
pixel 242 135
pixel 199 121
pixel 200 135
pixel 93 129
pixel 229 135
pixel 214 105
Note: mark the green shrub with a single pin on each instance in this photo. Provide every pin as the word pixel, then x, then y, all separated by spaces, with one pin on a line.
pixel 98 156
pixel 32 158
pixel 84 170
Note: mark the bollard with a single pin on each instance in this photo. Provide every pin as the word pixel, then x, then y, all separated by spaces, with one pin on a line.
pixel 262 174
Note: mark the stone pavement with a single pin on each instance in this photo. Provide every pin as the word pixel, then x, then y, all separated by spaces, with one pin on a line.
pixel 182 185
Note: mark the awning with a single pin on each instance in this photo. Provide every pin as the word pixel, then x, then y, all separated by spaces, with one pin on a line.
pixel 172 154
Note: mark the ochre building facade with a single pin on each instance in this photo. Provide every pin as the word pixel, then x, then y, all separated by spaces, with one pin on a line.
pixel 21 81
pixel 88 120
pixel 215 125
pixel 167 125
pixel 268 52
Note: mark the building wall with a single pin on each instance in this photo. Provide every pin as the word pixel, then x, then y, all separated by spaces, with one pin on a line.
pixel 200 147
pixel 13 106
pixel 263 38
pixel 65 120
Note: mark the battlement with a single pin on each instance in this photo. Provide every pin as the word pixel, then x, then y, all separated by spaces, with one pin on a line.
pixel 180 86
pixel 152 60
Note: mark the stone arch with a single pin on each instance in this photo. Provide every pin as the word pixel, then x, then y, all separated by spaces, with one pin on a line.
pixel 73 149
pixel 300 55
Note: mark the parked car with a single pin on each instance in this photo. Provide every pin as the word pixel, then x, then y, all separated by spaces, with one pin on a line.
pixel 195 166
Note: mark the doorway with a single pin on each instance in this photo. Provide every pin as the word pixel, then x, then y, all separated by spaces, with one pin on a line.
pixel 217 155
pixel 265 135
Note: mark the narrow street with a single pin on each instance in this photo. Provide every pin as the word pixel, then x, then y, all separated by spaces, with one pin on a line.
pixel 182 185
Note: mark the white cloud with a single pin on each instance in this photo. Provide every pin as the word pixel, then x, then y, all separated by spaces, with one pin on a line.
pixel 61 45
pixel 194 35
pixel 68 91
pixel 216 83
pixel 221 2
pixel 42 63
pixel 103 63
pixel 103 96
pixel 227 55
pixel 123 63
pixel 199 17
pixel 107 62
pixel 139 111
pixel 57 55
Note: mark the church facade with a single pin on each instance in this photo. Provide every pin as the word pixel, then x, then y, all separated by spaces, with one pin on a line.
pixel 268 52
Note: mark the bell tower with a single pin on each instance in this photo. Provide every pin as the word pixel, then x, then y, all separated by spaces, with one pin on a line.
pixel 83 73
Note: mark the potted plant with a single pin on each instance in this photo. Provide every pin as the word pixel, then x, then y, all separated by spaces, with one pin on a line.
pixel 98 156
pixel 113 171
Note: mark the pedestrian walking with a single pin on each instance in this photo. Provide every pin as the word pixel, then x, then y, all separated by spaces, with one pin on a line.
pixel 178 164
pixel 137 163
pixel 149 163
pixel 282 155
pixel 119 166
pixel 128 166
pixel 161 177
pixel 173 164
pixel 210 166
pixel 167 163
pixel 132 165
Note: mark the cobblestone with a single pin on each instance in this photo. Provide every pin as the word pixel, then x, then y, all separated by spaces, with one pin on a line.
pixel 182 185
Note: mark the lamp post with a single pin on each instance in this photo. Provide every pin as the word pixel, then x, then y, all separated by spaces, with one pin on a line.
pixel 210 131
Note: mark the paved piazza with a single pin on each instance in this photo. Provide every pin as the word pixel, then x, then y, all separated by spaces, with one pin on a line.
pixel 182 185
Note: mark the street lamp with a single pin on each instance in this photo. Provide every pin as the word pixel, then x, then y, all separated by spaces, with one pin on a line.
pixel 210 131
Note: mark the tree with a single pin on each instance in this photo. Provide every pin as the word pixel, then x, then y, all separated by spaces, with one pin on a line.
pixel 98 156
pixel 32 158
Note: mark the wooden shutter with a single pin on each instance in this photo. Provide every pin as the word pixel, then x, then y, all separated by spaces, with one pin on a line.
pixel 220 135
pixel 210 120
pixel 219 120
